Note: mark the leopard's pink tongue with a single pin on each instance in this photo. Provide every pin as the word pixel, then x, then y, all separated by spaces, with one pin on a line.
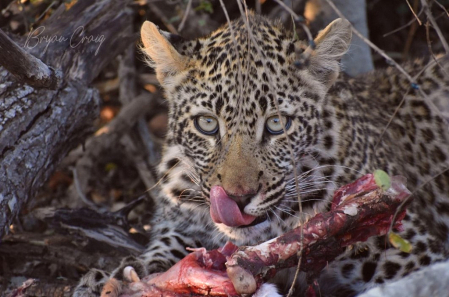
pixel 225 210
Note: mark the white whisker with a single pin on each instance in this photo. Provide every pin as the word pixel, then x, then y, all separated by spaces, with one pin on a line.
pixel 279 219
pixel 287 211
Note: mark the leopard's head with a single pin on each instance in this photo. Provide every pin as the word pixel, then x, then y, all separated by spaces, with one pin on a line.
pixel 242 114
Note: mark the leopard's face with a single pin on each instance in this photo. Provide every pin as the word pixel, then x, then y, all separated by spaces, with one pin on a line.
pixel 239 124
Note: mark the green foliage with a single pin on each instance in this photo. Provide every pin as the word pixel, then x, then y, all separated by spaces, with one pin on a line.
pixel 400 243
pixel 110 166
pixel 382 179
pixel 205 6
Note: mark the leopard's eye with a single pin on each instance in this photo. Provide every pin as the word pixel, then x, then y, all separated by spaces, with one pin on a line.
pixel 206 124
pixel 274 124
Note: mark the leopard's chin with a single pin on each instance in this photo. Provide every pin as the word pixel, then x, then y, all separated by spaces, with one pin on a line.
pixel 257 221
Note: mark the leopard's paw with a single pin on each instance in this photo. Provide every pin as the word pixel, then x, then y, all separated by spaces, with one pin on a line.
pixel 139 269
pixel 91 284
pixel 267 290
pixel 98 283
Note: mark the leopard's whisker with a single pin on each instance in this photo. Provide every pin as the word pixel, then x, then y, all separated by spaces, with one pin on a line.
pixel 287 211
pixel 279 219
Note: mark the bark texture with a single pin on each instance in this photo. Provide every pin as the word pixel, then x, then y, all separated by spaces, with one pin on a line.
pixel 39 126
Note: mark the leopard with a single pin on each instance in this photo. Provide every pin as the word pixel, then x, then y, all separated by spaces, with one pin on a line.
pixel 258 117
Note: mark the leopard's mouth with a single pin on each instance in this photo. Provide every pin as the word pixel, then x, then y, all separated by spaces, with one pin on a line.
pixel 226 210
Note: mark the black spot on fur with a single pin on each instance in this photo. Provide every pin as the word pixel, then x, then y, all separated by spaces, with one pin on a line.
pixel 409 234
pixel 441 231
pixel 172 162
pixel 197 46
pixel 424 260
pixel 410 266
pixel 176 193
pixel 419 247
pixel 263 104
pixel 435 246
pixel 391 269
pixel 328 142
pixel 166 240
pixel 156 247
pixel 368 270
pixel 159 263
pixel 424 111
pixel 186 178
pixel 312 96
pixel 443 208
pixel 177 254
pixel 98 276
pixel 379 280
pixel 439 155
pixel 347 269
pixel 404 255
pixel 290 48
pixel 428 135
pixel 281 60
pixel 219 105
pixel 180 241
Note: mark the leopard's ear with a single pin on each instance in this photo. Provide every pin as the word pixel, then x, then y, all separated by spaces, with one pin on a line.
pixel 331 44
pixel 162 56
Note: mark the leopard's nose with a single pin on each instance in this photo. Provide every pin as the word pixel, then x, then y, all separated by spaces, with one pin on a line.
pixel 242 199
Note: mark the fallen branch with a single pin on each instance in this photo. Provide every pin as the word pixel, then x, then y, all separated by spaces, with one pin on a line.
pixel 38 126
pixel 109 136
pixel 106 228
pixel 27 68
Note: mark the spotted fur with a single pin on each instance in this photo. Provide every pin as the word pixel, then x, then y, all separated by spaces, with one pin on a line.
pixel 244 73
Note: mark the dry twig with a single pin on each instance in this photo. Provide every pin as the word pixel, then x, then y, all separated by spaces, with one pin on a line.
pixel 413 11
pixel 430 17
pixel 413 20
pixel 442 7
pixel 154 8
pixel 413 29
pixel 184 17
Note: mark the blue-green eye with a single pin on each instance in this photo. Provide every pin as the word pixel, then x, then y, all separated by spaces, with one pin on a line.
pixel 273 125
pixel 206 124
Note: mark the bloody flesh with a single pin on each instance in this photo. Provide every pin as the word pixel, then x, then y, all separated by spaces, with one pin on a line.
pixel 198 274
pixel 359 210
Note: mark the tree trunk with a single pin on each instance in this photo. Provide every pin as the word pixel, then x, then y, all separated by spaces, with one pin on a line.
pixel 358 60
pixel 39 126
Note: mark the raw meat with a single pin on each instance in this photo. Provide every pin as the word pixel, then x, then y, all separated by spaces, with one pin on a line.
pixel 359 210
